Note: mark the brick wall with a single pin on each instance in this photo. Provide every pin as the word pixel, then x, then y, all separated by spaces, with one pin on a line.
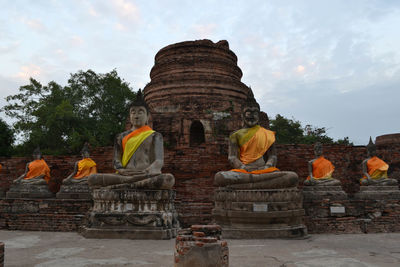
pixel 194 169
pixel 43 214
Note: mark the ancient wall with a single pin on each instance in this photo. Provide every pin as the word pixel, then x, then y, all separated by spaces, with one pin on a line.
pixel 43 214
pixel 194 170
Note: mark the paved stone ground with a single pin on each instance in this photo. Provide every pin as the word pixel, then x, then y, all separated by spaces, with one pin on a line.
pixel 25 248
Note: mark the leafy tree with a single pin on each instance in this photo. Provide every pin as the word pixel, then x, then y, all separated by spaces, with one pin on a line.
pixel 287 131
pixel 92 107
pixel 6 139
pixel 290 131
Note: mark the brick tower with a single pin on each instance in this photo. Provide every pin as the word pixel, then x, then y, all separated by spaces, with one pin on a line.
pixel 195 97
pixel 195 93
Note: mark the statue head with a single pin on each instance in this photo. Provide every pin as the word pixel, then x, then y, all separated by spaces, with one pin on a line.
pixel 371 148
pixel 317 149
pixel 139 111
pixel 85 150
pixel 251 111
pixel 37 154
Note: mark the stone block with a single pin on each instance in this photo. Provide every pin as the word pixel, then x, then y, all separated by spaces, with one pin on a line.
pixel 323 192
pixel 278 213
pixel 193 249
pixel 378 193
pixel 29 191
pixel 132 214
pixel 75 191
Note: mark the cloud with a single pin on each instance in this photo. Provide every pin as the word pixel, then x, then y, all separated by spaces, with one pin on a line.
pixel 126 9
pixel 205 30
pixel 35 25
pixel 76 40
pixel 28 71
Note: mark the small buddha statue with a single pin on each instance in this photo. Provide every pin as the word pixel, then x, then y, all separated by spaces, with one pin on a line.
pixel 82 169
pixel 138 155
pixel 36 172
pixel 320 170
pixel 374 169
pixel 252 155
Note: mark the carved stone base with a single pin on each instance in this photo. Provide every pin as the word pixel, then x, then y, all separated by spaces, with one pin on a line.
pixel 29 191
pixel 378 192
pixel 75 191
pixel 324 192
pixel 264 213
pixel 132 214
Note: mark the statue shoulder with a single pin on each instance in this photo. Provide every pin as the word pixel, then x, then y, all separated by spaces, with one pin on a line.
pixel 157 135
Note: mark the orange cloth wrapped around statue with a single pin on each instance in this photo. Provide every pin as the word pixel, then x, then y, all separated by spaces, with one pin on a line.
pixel 36 168
pixel 86 167
pixel 253 143
pixel 322 169
pixel 377 168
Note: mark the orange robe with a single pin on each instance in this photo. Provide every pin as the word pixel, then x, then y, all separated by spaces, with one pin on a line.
pixel 86 167
pixel 322 169
pixel 254 143
pixel 376 168
pixel 36 168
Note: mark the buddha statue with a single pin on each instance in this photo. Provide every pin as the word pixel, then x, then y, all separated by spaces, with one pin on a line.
pixel 320 170
pixel 138 155
pixel 37 172
pixel 82 169
pixel 375 169
pixel 252 155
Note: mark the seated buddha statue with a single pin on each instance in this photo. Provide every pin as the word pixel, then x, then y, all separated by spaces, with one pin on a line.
pixel 320 170
pixel 36 172
pixel 374 169
pixel 82 169
pixel 138 155
pixel 252 155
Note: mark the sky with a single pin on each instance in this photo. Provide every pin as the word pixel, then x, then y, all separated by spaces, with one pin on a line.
pixel 332 64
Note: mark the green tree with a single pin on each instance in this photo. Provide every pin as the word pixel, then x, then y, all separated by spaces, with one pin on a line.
pixel 290 131
pixel 92 107
pixel 287 131
pixel 6 139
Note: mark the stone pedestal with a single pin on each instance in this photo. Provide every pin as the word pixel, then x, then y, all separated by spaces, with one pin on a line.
pixel 132 214
pixel 29 191
pixel 201 245
pixel 75 191
pixel 323 192
pixel 263 213
pixel 378 193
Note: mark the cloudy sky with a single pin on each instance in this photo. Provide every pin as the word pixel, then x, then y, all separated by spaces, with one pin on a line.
pixel 333 64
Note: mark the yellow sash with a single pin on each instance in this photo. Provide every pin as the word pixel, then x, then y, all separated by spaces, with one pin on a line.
pixel 253 142
pixel 132 141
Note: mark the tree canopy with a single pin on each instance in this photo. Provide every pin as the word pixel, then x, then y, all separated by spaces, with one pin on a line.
pixel 90 108
pixel 290 131
pixel 6 139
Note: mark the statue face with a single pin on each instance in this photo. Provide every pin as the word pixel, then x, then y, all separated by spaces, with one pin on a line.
pixel 318 150
pixel 371 151
pixel 37 156
pixel 138 116
pixel 85 154
pixel 251 116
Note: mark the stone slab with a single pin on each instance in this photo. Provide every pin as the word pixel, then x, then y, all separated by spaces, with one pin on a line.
pixel 292 232
pixel 29 191
pixel 378 193
pixel 75 191
pixel 324 192
pixel 152 234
